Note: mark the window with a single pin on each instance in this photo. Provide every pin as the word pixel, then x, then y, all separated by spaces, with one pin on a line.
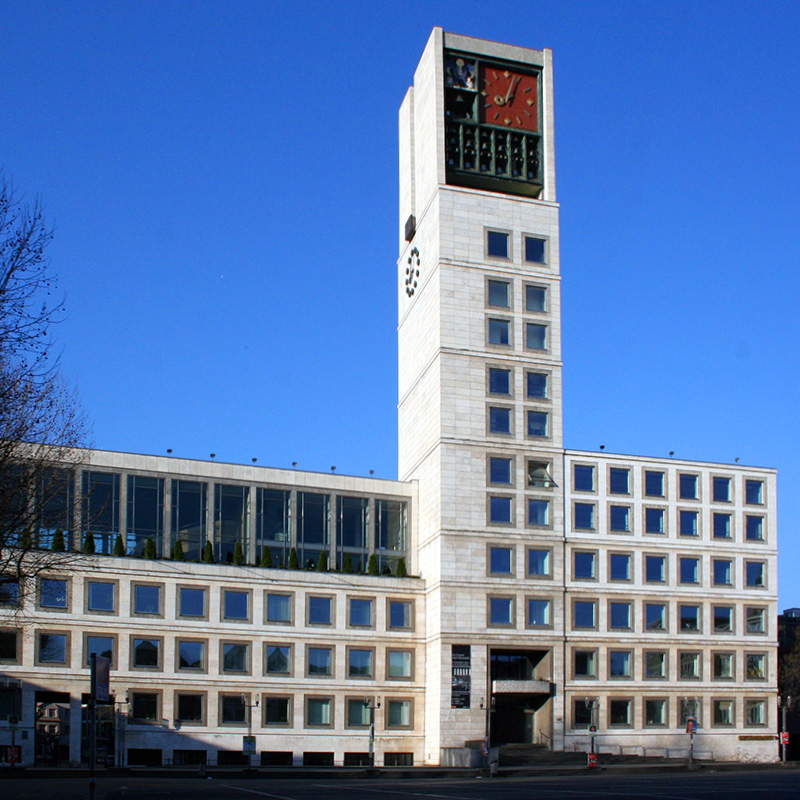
pixel 499 420
pixel 499 381
pixel 585 663
pixel 655 712
pixel 279 659
pixel 537 423
pixel 399 714
pixel 619 567
pixel 723 666
pixel 721 490
pixel 189 708
pixel 583 614
pixel 277 710
pixel 538 512
pixel 584 565
pixel 689 665
pixel 535 250
pixel 723 619
pixel 499 331
pixel 654 520
pixel 755 574
pixel 498 293
pixel 582 712
pixel 361 612
pixel 754 492
pixel 583 480
pixel 359 663
pixel 318 711
pixel 279 608
pixel 319 661
pixel 236 605
pixel 536 385
pixel 146 599
pixel 357 713
pixel 723 712
pixel 619 615
pixel 145 706
pixel 538 613
pixel 399 614
pixel 500 470
pixel 191 654
pixel 538 563
pixel 755 712
pixel 655 568
pixel 755 667
pixel 689 570
pixel 8 646
pixel 689 707
pixel 756 620
pixel 690 618
pixel 722 526
pixel 620 518
pixel 655 616
pixel 234 708
pixel 145 514
pixel 584 516
pixel 320 610
pixel 539 474
pixel 655 664
pixel 688 523
pixel 535 336
pixel 235 657
pixel 535 298
pixel 500 560
pixel 619 664
pixel 723 572
pixel 687 487
pixel 619 712
pixel 9 593
pixel 499 509
pixel 654 483
pixel 100 596
pixel 191 602
pixel 52 648
pixel 399 664
pixel 619 480
pixel 99 646
pixel 146 653
pixel 754 528
pixel 497 244
pixel 501 611
pixel 53 593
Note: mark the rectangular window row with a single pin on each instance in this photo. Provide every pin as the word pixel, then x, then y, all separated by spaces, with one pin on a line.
pixel 500 382
pixel 534 249
pixel 501 511
pixel 500 422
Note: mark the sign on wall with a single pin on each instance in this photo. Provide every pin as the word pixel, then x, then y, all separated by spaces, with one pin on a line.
pixel 461 685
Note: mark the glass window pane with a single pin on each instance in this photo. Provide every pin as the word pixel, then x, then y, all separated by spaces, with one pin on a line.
pixel 99 646
pixel 499 331
pixel 619 664
pixel 583 480
pixel 688 523
pixel 146 599
pixel 360 612
pixel 399 614
pixel 538 512
pixel 754 528
pixel 535 298
pixel 538 562
pixel 500 509
pixel 500 560
pixel 584 565
pixel 690 570
pixel 584 516
pixel 537 385
pixel 279 608
pixel 500 470
pixel 101 596
pixel 500 611
pixel 236 605
pixel 499 381
pixel 620 565
pixel 721 488
pixel 538 612
pixel 191 655
pixel 537 423
pixel 655 617
pixel 499 420
pixel 320 610
pixel 534 250
pixel 399 664
pixel 620 615
pixel 52 648
pixel 754 492
pixel 619 480
pixel 192 602
pixel 498 294
pixel 654 483
pixel 146 652
pixel 584 614
pixel 497 244
pixel 619 518
pixel 688 487
pixel 53 593
pixel 319 661
pixel 278 659
pixel 535 336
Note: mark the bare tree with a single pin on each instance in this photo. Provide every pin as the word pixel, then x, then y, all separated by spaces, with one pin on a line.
pixel 41 423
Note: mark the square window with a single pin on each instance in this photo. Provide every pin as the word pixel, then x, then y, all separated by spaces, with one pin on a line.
pixel 689 666
pixel 619 712
pixel 722 526
pixel 498 292
pixel 100 596
pixel 687 487
pixel 497 244
pixel 499 381
pixel 756 620
pixel 721 490
pixel 619 664
pixel 755 574
pixel 399 714
pixel 8 646
pixel 399 614
pixel 359 663
pixel 535 250
pixel 538 613
pixel 755 712
pixel 535 336
pixel 279 607
pixel 619 480
pixel 723 619
pixel 585 663
pixel 723 572
pixel 619 566
pixel 655 569
pixel 584 615
pixel 654 520
pixel 319 711
pixel 537 423
pixel 539 474
pixel 500 470
pixel 655 712
pixel 145 706
pixel 538 563
pixel 655 617
pixel 755 667
pixel 192 602
pixel 357 713
pixel 619 616
pixel 146 653
pixel 690 570
pixel 754 492
pixel 584 565
pixel 189 708
pixel 620 519
pixel 500 509
pixel 499 420
pixel 279 659
pixel 689 708
pixel 277 710
pixel 536 385
pixel 582 712
pixel 9 593
pixel 146 599
pixel 235 657
pixel 236 605
pixel 99 646
pixel 500 560
pixel 723 666
pixel 234 708
pixel 653 483
pixel 583 478
pixel 320 610
pixel 690 618
pixel 538 512
pixel 191 654
pixel 688 523
pixel 501 611
pixel 52 648
pixel 584 516
pixel 499 331
pixel 319 661
pixel 535 298
pixel 754 528
pixel 53 593
pixel 399 664
pixel 361 612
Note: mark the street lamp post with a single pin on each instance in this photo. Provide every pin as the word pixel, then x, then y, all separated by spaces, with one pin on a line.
pixel 368 703
pixel 784 704
pixel 250 707
pixel 592 703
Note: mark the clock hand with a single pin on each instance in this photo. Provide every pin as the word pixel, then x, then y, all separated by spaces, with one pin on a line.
pixel 509 93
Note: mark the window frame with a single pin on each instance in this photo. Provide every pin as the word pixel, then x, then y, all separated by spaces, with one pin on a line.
pixel 331 662
pixel 510 600
pixel 538 626
pixel 289 673
pixel 248 618
pixel 247 644
pixel 87 596
pixel 331 705
pixel 67 648
pixel 177 694
pixel 267 696
pixel 179 640
pixel 57 609
pixel 157 718
pixel 500 232
pixel 114 637
pixel 314 596
pixel 267 620
pixel 410 604
pixel 411 663
pixel 161 595
pixel 372 607
pixel 179 589
pixel 140 637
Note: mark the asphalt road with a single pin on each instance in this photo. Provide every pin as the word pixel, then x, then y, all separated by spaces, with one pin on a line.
pixel 745 785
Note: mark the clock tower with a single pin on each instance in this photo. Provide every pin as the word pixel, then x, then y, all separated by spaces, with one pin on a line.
pixel 480 387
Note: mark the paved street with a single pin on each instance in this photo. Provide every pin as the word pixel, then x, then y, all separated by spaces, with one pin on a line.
pixel 745 785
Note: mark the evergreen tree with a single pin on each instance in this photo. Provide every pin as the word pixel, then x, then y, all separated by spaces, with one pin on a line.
pixel 208 553
pixel 150 550
pixel 238 554
pixel 177 551
pixel 119 546
pixel 322 561
pixel 347 564
pixel 293 562
pixel 372 565
pixel 58 545
pixel 266 557
pixel 88 544
pixel 401 571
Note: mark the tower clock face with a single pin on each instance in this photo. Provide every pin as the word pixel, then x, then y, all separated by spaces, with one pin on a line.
pixel 509 98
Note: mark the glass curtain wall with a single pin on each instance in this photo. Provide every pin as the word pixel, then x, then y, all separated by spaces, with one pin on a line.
pixel 231 504
pixel 390 533
pixel 313 527
pixel 189 501
pixel 145 514
pixel 273 524
pixel 55 503
pixel 352 515
pixel 100 511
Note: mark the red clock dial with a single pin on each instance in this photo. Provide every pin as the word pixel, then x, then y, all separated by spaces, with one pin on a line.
pixel 509 98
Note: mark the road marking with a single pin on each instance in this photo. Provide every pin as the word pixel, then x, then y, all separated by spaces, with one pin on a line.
pixel 405 793
pixel 253 791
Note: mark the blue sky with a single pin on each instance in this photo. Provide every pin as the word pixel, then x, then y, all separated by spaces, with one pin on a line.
pixel 222 177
